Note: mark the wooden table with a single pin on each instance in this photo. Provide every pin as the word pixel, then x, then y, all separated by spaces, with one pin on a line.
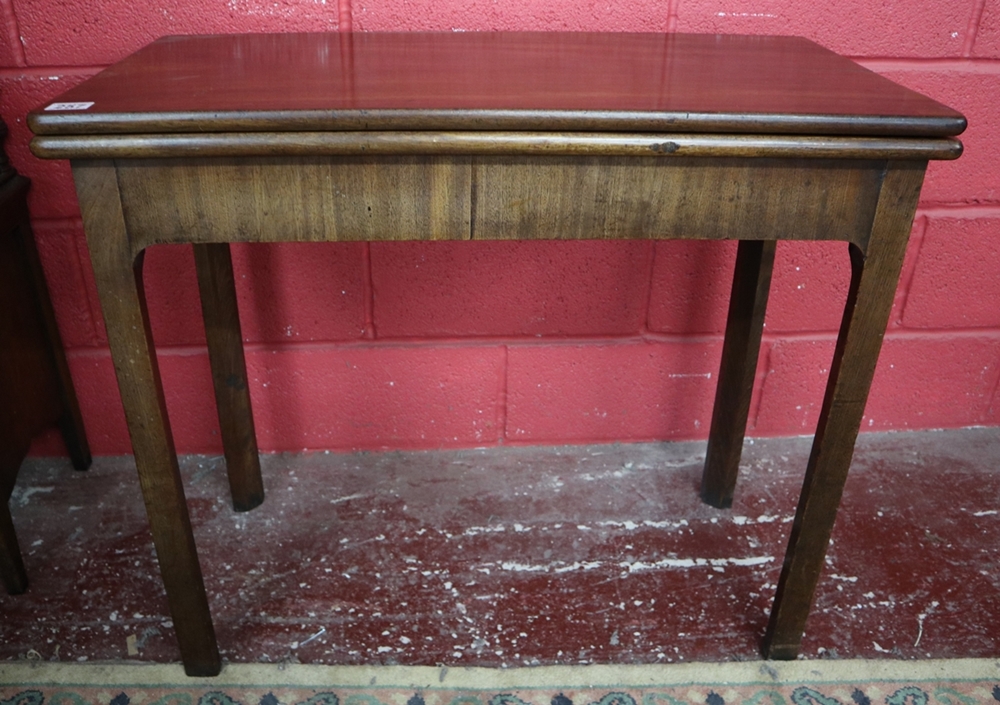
pixel 466 136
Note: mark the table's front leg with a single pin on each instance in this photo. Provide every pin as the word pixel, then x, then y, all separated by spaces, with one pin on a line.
pixel 874 276
pixel 229 373
pixel 744 327
pixel 119 283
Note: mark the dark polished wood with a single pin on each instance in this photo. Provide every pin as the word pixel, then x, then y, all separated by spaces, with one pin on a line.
pixel 118 273
pixel 609 144
pixel 744 327
pixel 431 198
pixel 36 390
pixel 363 137
pixel 575 81
pixel 224 335
pixel 874 273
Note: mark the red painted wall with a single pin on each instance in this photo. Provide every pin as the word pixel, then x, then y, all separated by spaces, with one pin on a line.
pixel 455 344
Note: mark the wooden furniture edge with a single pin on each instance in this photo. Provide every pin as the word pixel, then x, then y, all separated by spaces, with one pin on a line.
pixel 489 143
pixel 44 123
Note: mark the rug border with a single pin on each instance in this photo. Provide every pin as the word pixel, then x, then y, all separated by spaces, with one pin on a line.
pixel 432 678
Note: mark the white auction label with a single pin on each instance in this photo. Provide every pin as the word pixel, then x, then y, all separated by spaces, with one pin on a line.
pixel 69 106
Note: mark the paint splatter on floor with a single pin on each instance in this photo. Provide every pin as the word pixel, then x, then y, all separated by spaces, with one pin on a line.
pixel 519 556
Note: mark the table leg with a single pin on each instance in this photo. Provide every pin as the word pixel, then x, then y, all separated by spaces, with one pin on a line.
pixel 747 304
pixel 229 373
pixel 15 578
pixel 118 273
pixel 874 276
pixel 70 420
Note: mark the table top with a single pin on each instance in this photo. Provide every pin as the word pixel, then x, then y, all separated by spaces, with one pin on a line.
pixel 611 82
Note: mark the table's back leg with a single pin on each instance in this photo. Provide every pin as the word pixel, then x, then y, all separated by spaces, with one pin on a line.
pixel 119 284
pixel 875 274
pixel 229 373
pixel 744 327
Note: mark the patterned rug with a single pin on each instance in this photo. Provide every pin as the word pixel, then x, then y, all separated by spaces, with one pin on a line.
pixel 958 682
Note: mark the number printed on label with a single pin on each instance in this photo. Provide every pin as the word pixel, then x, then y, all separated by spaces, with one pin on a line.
pixel 69 106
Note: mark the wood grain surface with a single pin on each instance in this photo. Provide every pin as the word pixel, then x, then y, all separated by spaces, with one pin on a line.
pixel 495 198
pixel 219 310
pixel 607 144
pixel 118 274
pixel 874 274
pixel 740 350
pixel 488 81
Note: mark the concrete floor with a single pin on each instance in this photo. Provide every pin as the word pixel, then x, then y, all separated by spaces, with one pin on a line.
pixel 519 556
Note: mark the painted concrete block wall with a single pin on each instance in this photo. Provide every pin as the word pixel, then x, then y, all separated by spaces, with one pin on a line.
pixel 404 345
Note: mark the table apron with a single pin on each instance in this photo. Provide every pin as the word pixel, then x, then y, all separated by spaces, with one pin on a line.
pixel 447 197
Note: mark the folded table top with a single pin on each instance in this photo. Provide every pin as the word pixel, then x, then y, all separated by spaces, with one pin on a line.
pixel 591 82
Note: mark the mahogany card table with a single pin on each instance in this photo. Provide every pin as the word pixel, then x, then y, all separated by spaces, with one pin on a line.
pixel 492 136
